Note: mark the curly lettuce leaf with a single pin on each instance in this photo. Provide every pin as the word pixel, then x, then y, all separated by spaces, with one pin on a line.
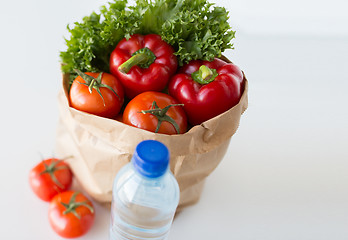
pixel 92 40
pixel 195 28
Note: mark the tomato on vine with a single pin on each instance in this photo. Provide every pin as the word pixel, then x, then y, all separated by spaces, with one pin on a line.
pixel 50 177
pixel 100 94
pixel 156 112
pixel 71 214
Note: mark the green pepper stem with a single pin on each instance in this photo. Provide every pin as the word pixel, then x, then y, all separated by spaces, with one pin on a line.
pixel 143 58
pixel 204 75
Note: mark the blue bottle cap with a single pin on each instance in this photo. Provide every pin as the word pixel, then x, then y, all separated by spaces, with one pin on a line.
pixel 151 158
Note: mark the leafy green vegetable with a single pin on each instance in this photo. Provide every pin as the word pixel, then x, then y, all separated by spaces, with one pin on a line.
pixel 195 28
pixel 92 40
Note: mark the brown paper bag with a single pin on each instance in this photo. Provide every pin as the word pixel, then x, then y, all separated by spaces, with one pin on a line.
pixel 100 147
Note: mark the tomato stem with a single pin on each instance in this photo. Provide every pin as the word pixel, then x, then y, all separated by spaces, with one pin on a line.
pixel 73 205
pixel 91 85
pixel 204 75
pixel 94 83
pixel 161 115
pixel 143 58
pixel 50 169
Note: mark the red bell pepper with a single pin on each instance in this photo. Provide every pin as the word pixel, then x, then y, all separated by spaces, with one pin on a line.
pixel 207 89
pixel 143 63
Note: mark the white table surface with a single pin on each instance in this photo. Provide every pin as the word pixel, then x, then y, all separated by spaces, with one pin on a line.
pixel 285 175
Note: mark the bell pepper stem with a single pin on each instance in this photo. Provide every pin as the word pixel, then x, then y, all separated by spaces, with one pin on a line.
pixel 143 58
pixel 204 75
pixel 134 60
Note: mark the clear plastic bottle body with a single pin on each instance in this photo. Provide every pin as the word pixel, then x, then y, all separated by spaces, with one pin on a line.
pixel 142 207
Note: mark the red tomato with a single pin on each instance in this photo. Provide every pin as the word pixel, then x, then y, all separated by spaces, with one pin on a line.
pixel 142 112
pixel 71 214
pixel 95 96
pixel 50 177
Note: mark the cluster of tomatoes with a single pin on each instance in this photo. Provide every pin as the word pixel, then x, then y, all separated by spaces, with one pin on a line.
pixel 158 96
pixel 71 214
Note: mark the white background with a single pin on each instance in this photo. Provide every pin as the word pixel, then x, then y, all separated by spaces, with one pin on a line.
pixel 285 175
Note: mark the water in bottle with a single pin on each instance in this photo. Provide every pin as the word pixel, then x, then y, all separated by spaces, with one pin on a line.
pixel 145 195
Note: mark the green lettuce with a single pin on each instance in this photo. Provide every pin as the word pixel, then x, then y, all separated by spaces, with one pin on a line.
pixel 195 28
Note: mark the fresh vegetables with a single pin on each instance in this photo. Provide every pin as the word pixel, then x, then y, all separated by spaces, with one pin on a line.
pixel 156 112
pixel 154 66
pixel 97 93
pixel 151 49
pixel 71 214
pixel 143 63
pixel 50 177
pixel 195 28
pixel 92 40
pixel 207 88
pixel 144 46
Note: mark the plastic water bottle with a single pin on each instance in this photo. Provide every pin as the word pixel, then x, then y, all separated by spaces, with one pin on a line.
pixel 145 195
